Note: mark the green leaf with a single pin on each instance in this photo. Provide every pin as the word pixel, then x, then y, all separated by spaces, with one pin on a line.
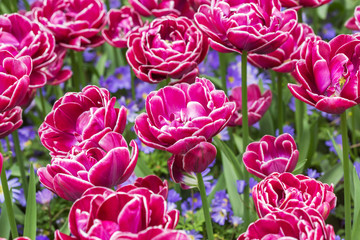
pixel 30 215
pixel 65 228
pixel 356 219
pixel 230 181
pixel 336 146
pixel 303 148
pixel 333 175
pixel 142 170
pixel 266 125
pixel 322 11
pixel 100 69
pixel 4 223
pixel 220 184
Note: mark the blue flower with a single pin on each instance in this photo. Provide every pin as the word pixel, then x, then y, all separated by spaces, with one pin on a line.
pixel 313 173
pixel 338 141
pixel 121 79
pixel 236 221
pixel 210 64
pixel 194 235
pixel 132 108
pixel 220 207
pixel 13 184
pixel 328 31
pixel 44 196
pixel 240 185
pixel 143 147
pixel 224 135
pixel 286 129
pixel 357 168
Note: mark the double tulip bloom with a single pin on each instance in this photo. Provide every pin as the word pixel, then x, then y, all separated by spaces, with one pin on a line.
pixel 280 192
pixel 271 154
pixel 168 47
pixel 10 120
pixel 303 3
pixel 75 24
pixel 354 22
pixel 328 74
pixel 132 210
pixel 257 104
pixel 296 223
pixel 257 26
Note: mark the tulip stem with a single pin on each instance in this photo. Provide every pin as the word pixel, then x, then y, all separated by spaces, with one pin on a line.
pixel 75 68
pixel 223 68
pixel 299 118
pixel 133 94
pixel 346 167
pixel 280 104
pixel 20 160
pixel 205 207
pixel 42 101
pixel 8 203
pixel 353 123
pixel 245 128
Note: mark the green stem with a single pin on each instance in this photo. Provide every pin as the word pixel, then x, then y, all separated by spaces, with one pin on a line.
pixel 20 161
pixel 245 129
pixel 80 64
pixel 299 118
pixel 42 101
pixel 8 203
pixel 346 167
pixel 107 3
pixel 205 207
pixel 223 70
pixel 315 20
pixel 133 94
pixel 353 135
pixel 76 71
pixel 279 103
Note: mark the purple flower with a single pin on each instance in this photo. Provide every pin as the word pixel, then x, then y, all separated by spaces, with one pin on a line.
pixel 328 31
pixel 236 221
pixel 219 215
pixel 44 196
pixel 143 89
pixel 210 64
pixel 173 197
pixel 143 147
pixel 357 168
pixel 194 235
pixel 191 204
pixel 313 173
pixel 224 135
pixel 338 141
pixel 121 79
pixel 286 129
pixel 42 237
pixel 240 186
pixel 13 184
pixel 90 55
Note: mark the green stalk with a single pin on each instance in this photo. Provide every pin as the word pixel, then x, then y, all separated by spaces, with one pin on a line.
pixel 76 71
pixel 245 129
pixel 8 203
pixel 20 161
pixel 205 207
pixel 346 167
pixel 299 118
pixel 80 64
pixel 353 135
pixel 279 103
pixel 133 95
pixel 42 101
pixel 223 70
pixel 107 3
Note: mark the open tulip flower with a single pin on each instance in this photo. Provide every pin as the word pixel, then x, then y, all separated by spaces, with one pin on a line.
pixel 271 154
pixel 104 214
pixel 10 120
pixel 153 233
pixel 257 26
pixel 103 160
pixel 74 23
pixel 281 191
pixel 168 47
pixel 161 8
pixel 296 223
pixel 14 74
pixel 76 117
pixel 284 58
pixel 354 22
pixel 257 104
pixel 303 3
pixel 122 22
pixel 328 74
pixel 179 117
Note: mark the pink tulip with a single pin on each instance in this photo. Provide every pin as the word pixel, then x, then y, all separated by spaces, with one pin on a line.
pixel 23 37
pixel 54 72
pixel 14 72
pixel 1 162
pixel 296 223
pixel 156 8
pixel 328 74
pixel 153 233
pixel 77 117
pixel 354 22
pixel 75 23
pixel 179 117
pixel 303 3
pixel 271 154
pixel 122 22
pixel 152 183
pixel 103 213
pixel 285 57
pixel 168 47
pixel 10 120
pixel 183 167
pixel 257 26
pixel 257 104
pixel 103 160
pixel 281 191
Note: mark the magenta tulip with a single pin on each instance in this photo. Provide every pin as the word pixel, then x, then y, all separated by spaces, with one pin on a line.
pixel 127 211
pixel 296 223
pixel 328 74
pixel 55 73
pixel 281 191
pixel 23 37
pixel 10 120
pixel 103 160
pixel 76 117
pixel 76 24
pixel 257 104
pixel 257 26
pixel 152 183
pixel 1 162
pixel 303 3
pixel 179 117
pixel 153 233
pixel 168 47
pixel 157 8
pixel 354 22
pixel 14 73
pixel 285 57
pixel 271 154
pixel 122 22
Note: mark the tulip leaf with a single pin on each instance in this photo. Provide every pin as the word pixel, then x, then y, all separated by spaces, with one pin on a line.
pixel 336 146
pixel 266 125
pixel 4 223
pixel 333 175
pixel 65 227
pixel 322 11
pixel 219 186
pixel 303 147
pixel 141 169
pixel 100 69
pixel 30 215
pixel 356 219
pixel 230 181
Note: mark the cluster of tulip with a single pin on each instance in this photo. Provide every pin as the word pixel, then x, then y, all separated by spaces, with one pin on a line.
pixel 84 131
